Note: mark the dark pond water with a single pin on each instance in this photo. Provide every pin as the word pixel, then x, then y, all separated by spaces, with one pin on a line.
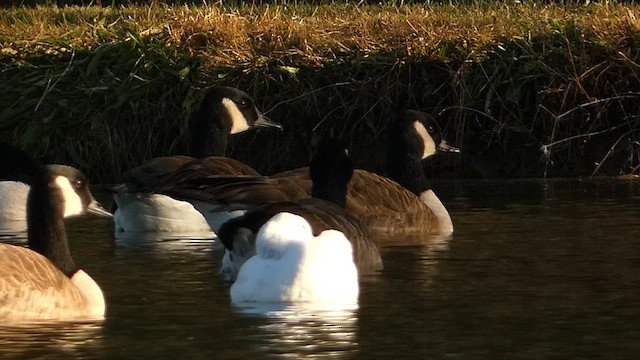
pixel 535 269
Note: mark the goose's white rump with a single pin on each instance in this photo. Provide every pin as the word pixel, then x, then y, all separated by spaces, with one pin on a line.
pixel 13 200
pixel 32 288
pixel 156 212
pixel 292 265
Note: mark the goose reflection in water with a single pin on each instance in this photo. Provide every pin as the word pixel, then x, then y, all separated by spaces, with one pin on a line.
pixel 300 330
pixel 67 340
pixel 188 241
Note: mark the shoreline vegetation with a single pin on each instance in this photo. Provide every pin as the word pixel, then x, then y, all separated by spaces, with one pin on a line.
pixel 525 89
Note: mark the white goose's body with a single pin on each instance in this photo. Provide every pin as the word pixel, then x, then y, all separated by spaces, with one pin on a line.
pixel 313 232
pixel 291 265
pixel 224 111
pixel 42 282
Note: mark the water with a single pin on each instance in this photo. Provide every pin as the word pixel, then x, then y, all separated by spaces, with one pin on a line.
pixel 534 270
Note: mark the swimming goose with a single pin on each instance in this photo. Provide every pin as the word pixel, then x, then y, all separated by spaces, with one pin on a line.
pixel 42 282
pixel 224 111
pixel 293 265
pixel 404 203
pixel 330 171
pixel 79 201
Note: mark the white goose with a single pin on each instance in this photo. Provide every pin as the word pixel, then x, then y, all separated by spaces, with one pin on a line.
pixel 291 265
pixel 42 282
pixel 310 250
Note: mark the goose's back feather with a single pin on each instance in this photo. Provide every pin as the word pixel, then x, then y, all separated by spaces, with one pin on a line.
pixel 240 189
pixel 202 168
pixel 162 171
pixel 32 288
pixel 147 176
pixel 384 206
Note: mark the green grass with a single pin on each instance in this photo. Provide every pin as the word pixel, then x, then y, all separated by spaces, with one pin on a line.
pixel 106 88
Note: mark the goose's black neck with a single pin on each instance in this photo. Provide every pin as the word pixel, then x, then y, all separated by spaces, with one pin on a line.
pixel 404 161
pixel 330 171
pixel 331 190
pixel 207 130
pixel 45 211
pixel 46 231
pixel 409 173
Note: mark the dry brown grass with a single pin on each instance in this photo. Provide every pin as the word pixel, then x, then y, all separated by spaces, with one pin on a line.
pixel 307 35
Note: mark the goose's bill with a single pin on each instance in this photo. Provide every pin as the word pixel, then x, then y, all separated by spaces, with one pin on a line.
pixel 445 147
pixel 95 208
pixel 265 122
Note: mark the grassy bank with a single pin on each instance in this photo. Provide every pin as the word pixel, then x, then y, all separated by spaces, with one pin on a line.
pixel 524 89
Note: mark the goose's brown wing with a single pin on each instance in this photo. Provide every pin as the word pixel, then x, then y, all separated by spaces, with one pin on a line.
pixel 385 207
pixel 220 165
pixel 251 190
pixel 162 172
pixel 147 176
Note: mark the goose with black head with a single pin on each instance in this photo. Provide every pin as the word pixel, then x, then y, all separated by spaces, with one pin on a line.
pixel 42 282
pixel 224 111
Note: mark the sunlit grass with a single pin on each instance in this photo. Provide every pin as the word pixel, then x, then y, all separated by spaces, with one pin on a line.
pixel 307 35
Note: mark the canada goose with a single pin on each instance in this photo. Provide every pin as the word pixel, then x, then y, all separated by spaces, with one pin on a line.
pixel 292 265
pixel 42 282
pixel 409 204
pixel 401 204
pixel 223 111
pixel 80 201
pixel 330 171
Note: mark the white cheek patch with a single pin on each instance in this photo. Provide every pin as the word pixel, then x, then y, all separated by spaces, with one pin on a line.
pixel 238 121
pixel 72 202
pixel 427 140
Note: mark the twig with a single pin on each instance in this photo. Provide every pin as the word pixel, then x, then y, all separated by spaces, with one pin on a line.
pixel 49 88
pixel 611 150
pixel 628 95
pixel 545 148
pixel 306 94
pixel 469 109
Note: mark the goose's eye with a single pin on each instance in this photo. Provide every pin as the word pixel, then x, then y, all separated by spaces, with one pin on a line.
pixel 79 183
pixel 430 129
pixel 244 103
